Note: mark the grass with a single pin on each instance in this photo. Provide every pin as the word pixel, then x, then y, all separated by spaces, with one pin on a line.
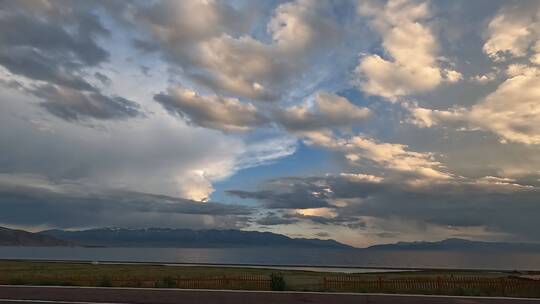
pixel 160 276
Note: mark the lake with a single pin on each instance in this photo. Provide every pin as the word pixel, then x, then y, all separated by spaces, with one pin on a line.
pixel 311 259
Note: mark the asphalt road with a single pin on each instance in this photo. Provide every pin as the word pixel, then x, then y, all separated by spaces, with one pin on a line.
pixel 87 295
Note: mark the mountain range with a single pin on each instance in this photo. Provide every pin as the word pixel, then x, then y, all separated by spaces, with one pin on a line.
pixel 458 244
pixel 12 237
pixel 164 237
pixel 186 238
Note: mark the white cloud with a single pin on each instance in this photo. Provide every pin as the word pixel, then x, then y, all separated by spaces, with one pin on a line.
pixel 223 56
pixel 535 58
pixel 501 183
pixel 158 154
pixel 322 212
pixel 452 76
pixel 360 177
pixel 512 31
pixel 484 78
pixel 328 111
pixel 195 186
pixel 412 65
pixel 266 151
pixel 426 118
pixel 301 25
pixel 512 111
pixel 361 150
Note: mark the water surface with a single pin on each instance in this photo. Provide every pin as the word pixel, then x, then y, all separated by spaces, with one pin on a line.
pixel 314 259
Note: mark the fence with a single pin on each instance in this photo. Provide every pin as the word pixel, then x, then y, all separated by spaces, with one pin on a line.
pixel 453 284
pixel 248 282
pixel 223 282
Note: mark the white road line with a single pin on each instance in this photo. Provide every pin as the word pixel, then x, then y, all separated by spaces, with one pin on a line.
pixel 58 302
pixel 277 292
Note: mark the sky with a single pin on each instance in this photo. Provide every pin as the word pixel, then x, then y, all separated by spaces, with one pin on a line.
pixel 362 121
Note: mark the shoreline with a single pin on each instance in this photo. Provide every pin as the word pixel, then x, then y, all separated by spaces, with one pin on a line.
pixel 238 277
pixel 270 266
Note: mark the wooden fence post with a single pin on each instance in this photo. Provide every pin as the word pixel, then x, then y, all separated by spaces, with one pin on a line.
pixel 380 283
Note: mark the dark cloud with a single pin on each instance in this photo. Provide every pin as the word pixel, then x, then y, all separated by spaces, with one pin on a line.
pixel 145 70
pixel 298 197
pixel 306 193
pixel 145 46
pixel 102 78
pixel 35 201
pixel 322 234
pixel 350 221
pixel 211 111
pixel 32 64
pixel 42 49
pixel 75 105
pixel 55 43
pixel 272 219
pixel 457 205
pixel 498 205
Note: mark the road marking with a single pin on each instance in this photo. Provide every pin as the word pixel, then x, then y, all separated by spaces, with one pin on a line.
pixel 50 301
pixel 267 291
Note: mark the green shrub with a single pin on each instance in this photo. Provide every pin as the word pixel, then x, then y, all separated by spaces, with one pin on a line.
pixel 169 282
pixel 277 282
pixel 166 282
pixel 104 281
pixel 18 281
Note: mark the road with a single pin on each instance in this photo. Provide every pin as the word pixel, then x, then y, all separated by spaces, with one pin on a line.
pixel 87 295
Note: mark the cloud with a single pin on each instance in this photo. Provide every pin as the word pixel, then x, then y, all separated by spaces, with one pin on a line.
pixel 150 155
pixel 302 25
pixel 412 65
pixel 510 111
pixel 156 154
pixel 426 118
pixel 292 199
pixel 311 198
pixel 495 205
pixel 328 111
pixel 30 200
pixel 39 35
pixel 360 150
pixel 285 195
pixel 230 114
pixel 104 79
pixel 272 219
pixel 266 151
pixel 73 105
pixel 484 78
pixel 219 52
pixel 173 23
pixel 212 111
pixel 50 48
pixel 512 32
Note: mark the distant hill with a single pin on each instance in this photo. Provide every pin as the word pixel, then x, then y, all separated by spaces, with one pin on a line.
pixel 163 237
pixel 12 237
pixel 458 244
